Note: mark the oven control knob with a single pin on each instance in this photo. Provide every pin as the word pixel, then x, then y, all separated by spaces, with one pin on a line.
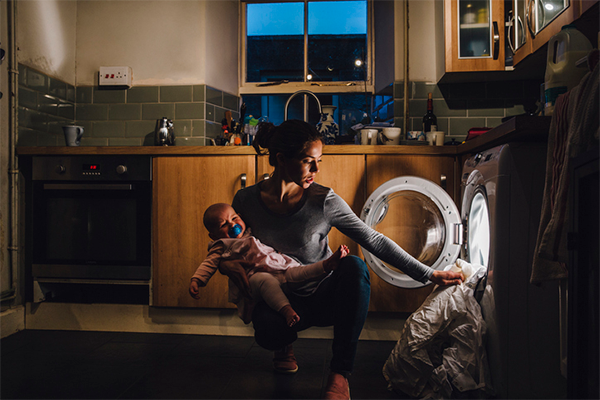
pixel 121 169
pixel 60 169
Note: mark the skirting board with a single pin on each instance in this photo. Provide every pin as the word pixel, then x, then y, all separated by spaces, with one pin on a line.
pixel 12 320
pixel 146 319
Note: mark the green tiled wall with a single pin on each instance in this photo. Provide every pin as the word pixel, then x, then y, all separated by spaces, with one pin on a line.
pixel 45 106
pixel 459 106
pixel 127 117
pixel 118 117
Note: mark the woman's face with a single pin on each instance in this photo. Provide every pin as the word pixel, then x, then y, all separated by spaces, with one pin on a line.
pixel 303 169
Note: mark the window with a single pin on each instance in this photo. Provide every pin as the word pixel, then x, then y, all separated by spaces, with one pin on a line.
pixel 321 46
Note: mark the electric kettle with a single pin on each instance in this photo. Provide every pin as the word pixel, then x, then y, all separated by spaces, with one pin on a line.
pixel 164 135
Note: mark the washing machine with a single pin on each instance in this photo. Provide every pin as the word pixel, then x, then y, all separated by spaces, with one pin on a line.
pixel 496 227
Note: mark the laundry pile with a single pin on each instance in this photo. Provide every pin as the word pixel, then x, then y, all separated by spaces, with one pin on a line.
pixel 441 351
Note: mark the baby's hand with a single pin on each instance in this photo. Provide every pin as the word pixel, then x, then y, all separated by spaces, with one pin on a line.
pixel 194 289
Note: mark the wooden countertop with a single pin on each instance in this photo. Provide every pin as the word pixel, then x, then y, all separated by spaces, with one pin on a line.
pixel 517 129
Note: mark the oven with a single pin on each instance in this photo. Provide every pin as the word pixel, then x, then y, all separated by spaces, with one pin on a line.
pixel 91 219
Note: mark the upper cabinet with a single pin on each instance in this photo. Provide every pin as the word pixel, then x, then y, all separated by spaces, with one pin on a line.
pixel 474 35
pixel 533 22
pixel 494 35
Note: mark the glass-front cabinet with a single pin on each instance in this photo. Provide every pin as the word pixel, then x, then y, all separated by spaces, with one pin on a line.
pixel 534 22
pixel 474 35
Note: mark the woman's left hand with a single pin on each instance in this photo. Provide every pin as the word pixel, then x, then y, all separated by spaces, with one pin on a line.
pixel 446 278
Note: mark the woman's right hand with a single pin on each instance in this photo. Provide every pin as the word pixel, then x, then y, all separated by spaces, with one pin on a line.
pixel 235 271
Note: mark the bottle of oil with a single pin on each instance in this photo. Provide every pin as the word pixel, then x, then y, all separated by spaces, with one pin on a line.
pixel 429 118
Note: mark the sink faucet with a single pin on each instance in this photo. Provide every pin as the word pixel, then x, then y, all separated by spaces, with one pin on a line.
pixel 287 104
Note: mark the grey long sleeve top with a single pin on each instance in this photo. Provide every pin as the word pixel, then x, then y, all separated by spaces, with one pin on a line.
pixel 302 233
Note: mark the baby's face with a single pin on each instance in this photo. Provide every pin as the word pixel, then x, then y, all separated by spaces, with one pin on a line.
pixel 224 219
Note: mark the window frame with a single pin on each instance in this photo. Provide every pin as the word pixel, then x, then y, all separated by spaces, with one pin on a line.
pixel 362 86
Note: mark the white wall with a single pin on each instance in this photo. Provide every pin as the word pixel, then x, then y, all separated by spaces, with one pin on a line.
pixel 162 41
pixel 221 34
pixel 425 35
pixel 176 42
pixel 46 37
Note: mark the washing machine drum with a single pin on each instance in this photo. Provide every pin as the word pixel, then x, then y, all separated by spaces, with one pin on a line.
pixel 421 218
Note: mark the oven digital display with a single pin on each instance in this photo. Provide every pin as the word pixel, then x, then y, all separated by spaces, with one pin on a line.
pixel 91 167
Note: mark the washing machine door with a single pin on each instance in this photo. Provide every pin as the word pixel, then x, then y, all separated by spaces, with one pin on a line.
pixel 421 218
pixel 476 219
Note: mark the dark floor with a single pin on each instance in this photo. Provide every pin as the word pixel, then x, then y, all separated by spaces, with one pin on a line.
pixel 112 365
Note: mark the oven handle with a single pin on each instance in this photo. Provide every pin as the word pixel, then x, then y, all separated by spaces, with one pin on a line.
pixel 88 186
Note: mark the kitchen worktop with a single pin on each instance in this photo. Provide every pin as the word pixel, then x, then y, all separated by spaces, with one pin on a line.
pixel 517 129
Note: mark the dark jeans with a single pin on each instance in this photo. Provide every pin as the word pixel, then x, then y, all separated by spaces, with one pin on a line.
pixel 342 300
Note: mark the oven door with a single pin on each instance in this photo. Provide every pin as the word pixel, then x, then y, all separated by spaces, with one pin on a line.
pixel 92 230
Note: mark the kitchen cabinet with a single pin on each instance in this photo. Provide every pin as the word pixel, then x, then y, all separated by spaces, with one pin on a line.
pixel 536 21
pixel 183 187
pixel 382 168
pixel 474 35
pixel 585 5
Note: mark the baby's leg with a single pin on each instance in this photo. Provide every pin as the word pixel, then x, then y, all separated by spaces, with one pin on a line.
pixel 265 286
pixel 332 262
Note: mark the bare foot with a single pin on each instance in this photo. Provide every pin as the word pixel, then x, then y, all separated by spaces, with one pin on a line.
pixel 332 262
pixel 290 315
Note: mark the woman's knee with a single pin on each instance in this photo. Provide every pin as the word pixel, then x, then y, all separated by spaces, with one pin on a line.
pixel 354 267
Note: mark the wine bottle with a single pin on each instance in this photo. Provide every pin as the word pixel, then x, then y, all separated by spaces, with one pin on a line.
pixel 429 118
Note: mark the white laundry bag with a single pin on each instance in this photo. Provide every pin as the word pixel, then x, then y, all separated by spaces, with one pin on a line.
pixel 441 347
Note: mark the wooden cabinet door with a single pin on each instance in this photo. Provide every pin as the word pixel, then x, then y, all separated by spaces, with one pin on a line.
pixel 345 174
pixel 566 17
pixel 380 169
pixel 182 189
pixel 453 26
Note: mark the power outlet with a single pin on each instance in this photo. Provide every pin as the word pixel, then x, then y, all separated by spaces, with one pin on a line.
pixel 115 76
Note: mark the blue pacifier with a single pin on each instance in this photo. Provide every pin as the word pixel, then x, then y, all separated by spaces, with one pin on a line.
pixel 234 231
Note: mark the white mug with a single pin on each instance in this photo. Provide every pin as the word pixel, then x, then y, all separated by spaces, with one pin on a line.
pixel 368 136
pixel 435 138
pixel 439 138
pixel 73 134
pixel 430 138
pixel 390 136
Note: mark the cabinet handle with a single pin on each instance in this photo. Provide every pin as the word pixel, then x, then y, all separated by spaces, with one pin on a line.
pixel 443 180
pixel 511 22
pixel 496 41
pixel 522 38
pixel 266 176
pixel 543 10
pixel 528 18
pixel 243 181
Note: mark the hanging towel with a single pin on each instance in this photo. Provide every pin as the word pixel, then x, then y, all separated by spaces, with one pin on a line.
pixel 574 129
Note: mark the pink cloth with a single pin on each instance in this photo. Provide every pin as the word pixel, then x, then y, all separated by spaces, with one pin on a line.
pixel 248 248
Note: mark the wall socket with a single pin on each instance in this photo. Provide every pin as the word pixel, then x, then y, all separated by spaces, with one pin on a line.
pixel 115 76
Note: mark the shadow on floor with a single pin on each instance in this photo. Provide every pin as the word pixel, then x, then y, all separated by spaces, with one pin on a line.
pixel 40 364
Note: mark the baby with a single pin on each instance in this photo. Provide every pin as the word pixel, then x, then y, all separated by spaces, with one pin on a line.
pixel 231 241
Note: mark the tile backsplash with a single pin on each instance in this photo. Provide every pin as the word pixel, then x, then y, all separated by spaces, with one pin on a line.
pixel 127 117
pixel 459 106
pixel 117 117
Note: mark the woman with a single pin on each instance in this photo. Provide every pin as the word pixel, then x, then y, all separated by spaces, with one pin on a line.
pixel 294 215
